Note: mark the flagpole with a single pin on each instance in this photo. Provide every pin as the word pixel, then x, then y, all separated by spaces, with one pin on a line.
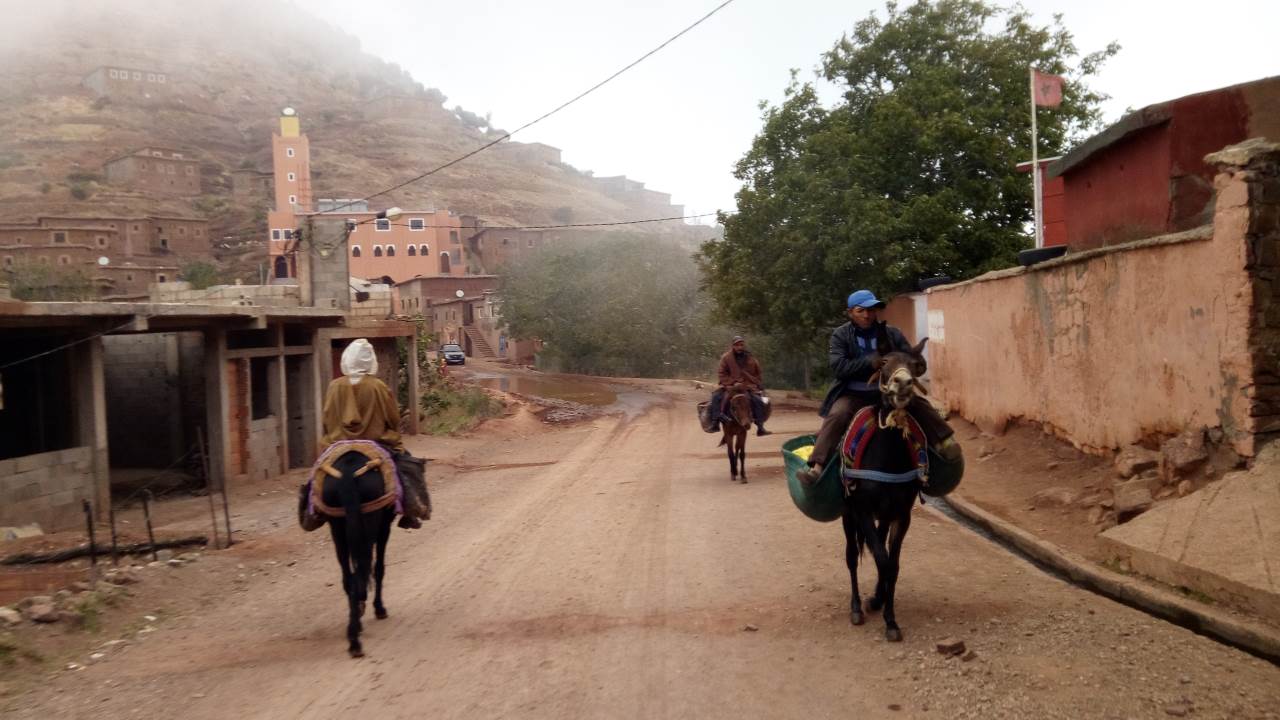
pixel 1035 164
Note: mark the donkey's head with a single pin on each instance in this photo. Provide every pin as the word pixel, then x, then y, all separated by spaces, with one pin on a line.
pixel 899 375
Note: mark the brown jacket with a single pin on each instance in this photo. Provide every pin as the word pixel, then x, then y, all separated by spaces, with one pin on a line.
pixel 364 411
pixel 748 373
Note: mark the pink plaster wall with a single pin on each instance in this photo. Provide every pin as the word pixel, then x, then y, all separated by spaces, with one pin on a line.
pixel 1108 346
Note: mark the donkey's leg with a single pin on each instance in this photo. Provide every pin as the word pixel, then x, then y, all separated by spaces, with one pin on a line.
pixel 898 533
pixel 877 600
pixel 742 458
pixel 867 526
pixel 851 550
pixel 338 530
pixel 380 561
pixel 733 455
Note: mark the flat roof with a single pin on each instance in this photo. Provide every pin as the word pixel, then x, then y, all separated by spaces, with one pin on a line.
pixel 144 316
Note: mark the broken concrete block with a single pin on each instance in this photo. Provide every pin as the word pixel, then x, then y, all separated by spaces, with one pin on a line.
pixel 1182 455
pixel 1134 459
pixel 1055 497
pixel 1132 498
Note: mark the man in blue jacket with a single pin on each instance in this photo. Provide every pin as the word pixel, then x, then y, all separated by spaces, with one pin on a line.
pixel 854 358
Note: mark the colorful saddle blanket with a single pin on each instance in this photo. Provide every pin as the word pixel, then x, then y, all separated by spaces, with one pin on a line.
pixel 378 459
pixel 857 456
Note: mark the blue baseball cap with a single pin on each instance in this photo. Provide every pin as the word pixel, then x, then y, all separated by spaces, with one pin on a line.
pixel 864 299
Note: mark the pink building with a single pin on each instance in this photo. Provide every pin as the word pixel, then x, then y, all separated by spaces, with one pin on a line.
pixel 413 243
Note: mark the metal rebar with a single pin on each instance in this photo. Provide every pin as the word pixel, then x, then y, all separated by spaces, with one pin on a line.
pixel 208 483
pixel 111 518
pixel 146 514
pixel 226 512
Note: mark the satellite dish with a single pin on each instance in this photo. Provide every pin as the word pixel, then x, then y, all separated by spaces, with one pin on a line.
pixel 459 294
pixel 104 261
pixel 289 112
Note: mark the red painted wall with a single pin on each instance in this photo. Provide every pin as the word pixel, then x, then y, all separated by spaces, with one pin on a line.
pixel 1121 193
pixel 1055 212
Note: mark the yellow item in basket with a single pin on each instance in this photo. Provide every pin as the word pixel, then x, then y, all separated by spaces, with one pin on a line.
pixel 803 452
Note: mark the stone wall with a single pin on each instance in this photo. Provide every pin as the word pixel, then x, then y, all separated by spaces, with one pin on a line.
pixel 1112 346
pixel 47 489
pixel 264 448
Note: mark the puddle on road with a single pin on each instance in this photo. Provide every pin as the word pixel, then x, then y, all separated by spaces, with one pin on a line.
pixel 574 391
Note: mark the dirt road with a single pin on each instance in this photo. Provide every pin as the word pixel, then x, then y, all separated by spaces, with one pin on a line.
pixel 612 570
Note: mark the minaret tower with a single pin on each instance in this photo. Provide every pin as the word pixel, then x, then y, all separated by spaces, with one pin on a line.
pixel 291 166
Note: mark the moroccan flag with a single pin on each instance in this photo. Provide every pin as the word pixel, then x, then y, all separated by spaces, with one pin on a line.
pixel 1047 89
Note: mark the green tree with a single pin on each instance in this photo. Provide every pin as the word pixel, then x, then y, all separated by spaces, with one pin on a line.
pixel 909 173
pixel 202 274
pixel 631 305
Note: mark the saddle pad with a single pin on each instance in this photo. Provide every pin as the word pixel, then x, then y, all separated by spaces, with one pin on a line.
pixel 865 425
pixel 377 460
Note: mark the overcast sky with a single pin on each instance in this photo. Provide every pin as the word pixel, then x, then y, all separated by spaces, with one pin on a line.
pixel 680 120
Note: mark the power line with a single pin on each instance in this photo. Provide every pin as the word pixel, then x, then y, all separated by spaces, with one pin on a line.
pixel 544 116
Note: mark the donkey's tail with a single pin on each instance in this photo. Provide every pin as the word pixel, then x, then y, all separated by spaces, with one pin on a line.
pixel 349 493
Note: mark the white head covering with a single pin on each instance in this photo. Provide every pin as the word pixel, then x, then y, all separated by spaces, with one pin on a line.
pixel 359 360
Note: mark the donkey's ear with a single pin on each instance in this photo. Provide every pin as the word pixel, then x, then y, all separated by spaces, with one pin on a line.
pixel 919 348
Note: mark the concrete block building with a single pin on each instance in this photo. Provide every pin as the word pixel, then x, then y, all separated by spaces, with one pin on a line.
pixel 128 82
pixel 162 171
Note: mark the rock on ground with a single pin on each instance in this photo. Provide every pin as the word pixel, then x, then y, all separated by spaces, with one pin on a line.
pixel 1134 459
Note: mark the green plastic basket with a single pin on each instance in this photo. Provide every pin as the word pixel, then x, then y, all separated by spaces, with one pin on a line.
pixel 824 500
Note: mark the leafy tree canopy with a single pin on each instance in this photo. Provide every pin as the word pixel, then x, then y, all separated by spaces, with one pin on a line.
pixel 910 172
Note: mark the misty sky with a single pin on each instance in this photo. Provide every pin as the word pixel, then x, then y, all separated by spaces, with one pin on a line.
pixel 680 120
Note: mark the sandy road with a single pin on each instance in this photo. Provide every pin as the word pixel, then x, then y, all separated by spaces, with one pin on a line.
pixel 618 581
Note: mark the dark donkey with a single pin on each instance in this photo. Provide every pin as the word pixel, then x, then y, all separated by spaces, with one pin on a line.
pixel 880 495
pixel 734 427
pixel 356 534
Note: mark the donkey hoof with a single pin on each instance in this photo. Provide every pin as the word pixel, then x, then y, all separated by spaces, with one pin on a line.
pixel 874 604
pixel 356 652
pixel 380 613
pixel 893 634
pixel 744 479
pixel 856 617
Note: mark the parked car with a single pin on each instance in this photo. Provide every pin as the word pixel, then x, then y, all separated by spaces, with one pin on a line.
pixel 453 354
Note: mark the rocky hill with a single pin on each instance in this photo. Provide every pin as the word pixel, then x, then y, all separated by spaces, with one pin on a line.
pixel 230 66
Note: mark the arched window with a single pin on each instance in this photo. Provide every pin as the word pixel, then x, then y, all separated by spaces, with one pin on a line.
pixel 444 263
pixel 355 251
pixel 282 267
pixel 412 251
pixel 377 251
pixel 423 250
pixel 391 251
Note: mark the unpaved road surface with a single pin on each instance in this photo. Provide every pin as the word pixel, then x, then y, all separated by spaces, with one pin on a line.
pixel 611 569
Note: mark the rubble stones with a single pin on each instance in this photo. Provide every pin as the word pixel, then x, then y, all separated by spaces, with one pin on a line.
pixel 1055 497
pixel 10 617
pixel 43 611
pixel 1182 455
pixel 1133 460
pixel 164 555
pixel 1132 498
pixel 122 576
pixel 1185 488
pixel 951 646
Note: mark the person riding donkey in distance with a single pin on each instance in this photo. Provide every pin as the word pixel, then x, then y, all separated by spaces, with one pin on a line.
pixel 359 406
pixel 854 359
pixel 739 370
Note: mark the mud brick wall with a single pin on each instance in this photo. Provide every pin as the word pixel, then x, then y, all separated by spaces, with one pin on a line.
pixel 264 448
pixel 141 373
pixel 1110 346
pixel 47 489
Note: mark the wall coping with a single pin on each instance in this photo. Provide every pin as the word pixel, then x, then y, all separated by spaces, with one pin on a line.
pixel 1200 234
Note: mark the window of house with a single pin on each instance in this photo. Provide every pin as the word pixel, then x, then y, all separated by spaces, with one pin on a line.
pixel 413 251
pixel 293 199
pixel 162 278
pixel 164 243
pixel 191 170
pixel 382 225
pixel 275 234
pixel 199 232
pixel 530 242
pixel 355 251
pixel 64 260
pixel 377 251
pixel 423 250
pixel 59 237
pixel 182 231
pixel 113 74
pixel 288 234
pixel 292 177
pixel 128 277
pixel 391 251
pixel 160 77
pixel 453 237
pixel 18 241
pixel 44 261
pixel 151 77
pixel 137 76
pixel 506 241
pixel 288 152
pixel 102 242
pixel 8 262
pixel 136 228
pixel 417 224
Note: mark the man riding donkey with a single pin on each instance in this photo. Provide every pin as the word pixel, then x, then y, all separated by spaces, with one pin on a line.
pixel 740 372
pixel 359 406
pixel 854 360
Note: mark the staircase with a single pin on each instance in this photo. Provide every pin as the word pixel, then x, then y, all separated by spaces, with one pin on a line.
pixel 479 346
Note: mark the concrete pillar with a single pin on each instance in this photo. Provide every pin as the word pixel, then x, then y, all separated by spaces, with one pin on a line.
pixel 279 396
pixel 217 404
pixel 415 392
pixel 91 417
pixel 178 445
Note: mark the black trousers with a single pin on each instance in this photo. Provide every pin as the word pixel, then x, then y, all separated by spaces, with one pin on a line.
pixel 757 405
